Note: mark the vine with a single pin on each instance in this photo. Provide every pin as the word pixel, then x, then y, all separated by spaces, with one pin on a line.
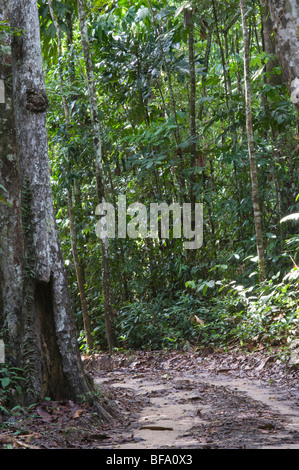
pixel 28 287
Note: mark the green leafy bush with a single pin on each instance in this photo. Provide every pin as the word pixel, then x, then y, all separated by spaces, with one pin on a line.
pixel 272 313
pixel 266 313
pixel 163 323
pixel 10 381
pixel 215 313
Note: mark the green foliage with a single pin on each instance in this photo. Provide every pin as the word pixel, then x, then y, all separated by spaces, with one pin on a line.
pixel 6 30
pixel 265 314
pixel 157 324
pixel 142 76
pixel 272 313
pixel 11 386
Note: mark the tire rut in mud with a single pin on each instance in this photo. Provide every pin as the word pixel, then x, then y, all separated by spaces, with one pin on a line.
pixel 183 411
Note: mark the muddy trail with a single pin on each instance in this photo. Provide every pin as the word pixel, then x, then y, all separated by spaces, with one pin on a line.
pixel 210 402
pixel 176 400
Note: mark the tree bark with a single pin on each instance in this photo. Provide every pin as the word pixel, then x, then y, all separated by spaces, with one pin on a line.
pixel 285 18
pixel 193 136
pixel 80 275
pixel 35 304
pixel 11 230
pixel 206 69
pixel 189 23
pixel 221 52
pixel 251 148
pixel 269 44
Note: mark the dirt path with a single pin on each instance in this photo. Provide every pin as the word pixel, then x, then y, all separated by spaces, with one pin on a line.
pixel 172 400
pixel 191 403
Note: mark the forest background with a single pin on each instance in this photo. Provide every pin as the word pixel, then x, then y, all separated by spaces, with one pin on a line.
pixel 149 100
pixel 142 73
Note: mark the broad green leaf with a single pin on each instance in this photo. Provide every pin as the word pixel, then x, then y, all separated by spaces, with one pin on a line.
pixel 5 382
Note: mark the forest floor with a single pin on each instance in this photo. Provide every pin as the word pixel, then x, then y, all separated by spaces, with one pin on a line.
pixel 173 400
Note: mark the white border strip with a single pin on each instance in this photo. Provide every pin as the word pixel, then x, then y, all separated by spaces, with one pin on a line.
pixel 2 92
pixel 2 352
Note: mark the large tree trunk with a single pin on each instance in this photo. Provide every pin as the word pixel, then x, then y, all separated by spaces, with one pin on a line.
pixel 34 299
pixel 285 18
pixel 11 230
pixel 269 44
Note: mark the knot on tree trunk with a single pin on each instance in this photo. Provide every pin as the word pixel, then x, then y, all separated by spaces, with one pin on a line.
pixel 37 101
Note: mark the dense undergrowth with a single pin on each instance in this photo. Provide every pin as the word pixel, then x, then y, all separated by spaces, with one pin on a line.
pixel 205 315
pixel 214 314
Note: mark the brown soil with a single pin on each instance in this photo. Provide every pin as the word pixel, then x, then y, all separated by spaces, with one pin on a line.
pixel 173 400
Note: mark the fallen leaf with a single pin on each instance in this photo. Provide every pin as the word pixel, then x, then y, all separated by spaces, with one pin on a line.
pixel 267 426
pixel 26 446
pixel 44 415
pixel 157 428
pixel 70 404
pixel 196 321
pixel 219 371
pixel 5 439
pixel 99 437
pixel 77 414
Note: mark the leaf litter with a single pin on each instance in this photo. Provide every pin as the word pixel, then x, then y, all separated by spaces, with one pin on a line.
pixel 200 399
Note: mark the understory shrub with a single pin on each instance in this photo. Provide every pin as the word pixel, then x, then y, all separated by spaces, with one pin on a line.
pixel 215 313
